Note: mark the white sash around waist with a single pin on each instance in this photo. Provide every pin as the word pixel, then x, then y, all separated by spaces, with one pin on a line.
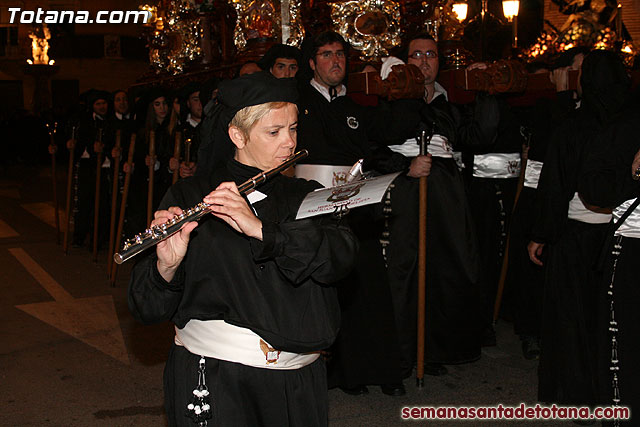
pixel 327 175
pixel 222 341
pixel 532 173
pixel 631 226
pixel 496 165
pixel 579 212
pixel 438 147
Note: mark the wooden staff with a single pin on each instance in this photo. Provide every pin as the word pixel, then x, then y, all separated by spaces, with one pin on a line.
pixel 422 265
pixel 96 205
pixel 505 259
pixel 114 200
pixel 187 149
pixel 72 143
pixel 123 208
pixel 152 164
pixel 52 143
pixel 176 155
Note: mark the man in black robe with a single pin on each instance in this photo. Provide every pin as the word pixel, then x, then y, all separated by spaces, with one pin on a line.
pixel 453 316
pixel 190 131
pixel 338 132
pixel 525 280
pixel 610 179
pixel 575 234
pixel 94 139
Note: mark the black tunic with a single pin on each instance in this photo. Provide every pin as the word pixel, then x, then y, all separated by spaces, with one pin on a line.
pixel 567 361
pixel 525 280
pixel 452 295
pixel 277 287
pixel 366 351
pixel 606 182
pixel 491 201
pixel 89 131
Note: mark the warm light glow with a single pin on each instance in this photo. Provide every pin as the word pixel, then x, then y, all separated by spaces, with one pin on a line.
pixel 627 49
pixel 51 62
pixel 40 47
pixel 510 8
pixel 460 9
pixel 30 62
pixel 153 13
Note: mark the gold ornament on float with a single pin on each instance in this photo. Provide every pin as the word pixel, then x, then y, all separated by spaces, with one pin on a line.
pixel 370 26
pixel 174 32
pixel 267 19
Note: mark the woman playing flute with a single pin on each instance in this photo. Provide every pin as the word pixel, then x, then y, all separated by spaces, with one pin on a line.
pixel 249 290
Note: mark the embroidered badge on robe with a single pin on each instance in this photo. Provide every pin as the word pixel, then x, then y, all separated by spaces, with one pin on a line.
pixel 352 122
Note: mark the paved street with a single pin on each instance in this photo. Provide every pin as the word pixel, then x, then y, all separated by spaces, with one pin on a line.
pixel 71 354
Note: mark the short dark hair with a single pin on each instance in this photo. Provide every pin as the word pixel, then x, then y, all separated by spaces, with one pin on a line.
pixel 404 54
pixel 325 38
pixel 279 51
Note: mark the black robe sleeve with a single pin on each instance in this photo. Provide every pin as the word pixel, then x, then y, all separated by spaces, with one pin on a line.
pixel 556 187
pixel 314 248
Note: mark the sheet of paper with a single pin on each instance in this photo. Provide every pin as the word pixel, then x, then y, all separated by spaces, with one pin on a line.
pixel 352 195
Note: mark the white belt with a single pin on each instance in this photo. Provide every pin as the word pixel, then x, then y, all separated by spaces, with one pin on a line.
pixel 631 226
pixel 496 165
pixel 438 146
pixel 579 212
pixel 327 175
pixel 532 173
pixel 222 341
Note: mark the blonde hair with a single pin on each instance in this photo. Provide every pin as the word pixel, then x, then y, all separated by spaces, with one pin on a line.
pixel 247 118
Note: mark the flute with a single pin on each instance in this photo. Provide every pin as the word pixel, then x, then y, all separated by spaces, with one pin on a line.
pixel 157 233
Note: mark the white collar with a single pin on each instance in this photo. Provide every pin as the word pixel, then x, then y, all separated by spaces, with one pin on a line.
pixel 120 116
pixel 191 121
pixel 439 90
pixel 324 91
pixel 97 116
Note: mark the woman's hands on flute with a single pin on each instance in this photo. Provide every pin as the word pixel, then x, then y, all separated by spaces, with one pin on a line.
pixel 228 204
pixel 172 250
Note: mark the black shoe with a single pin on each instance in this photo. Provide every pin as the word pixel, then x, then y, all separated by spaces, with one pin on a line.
pixel 489 337
pixel 356 391
pixel 435 369
pixel 530 348
pixel 396 389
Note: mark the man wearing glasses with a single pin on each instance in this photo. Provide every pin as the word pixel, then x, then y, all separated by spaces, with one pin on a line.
pixel 453 326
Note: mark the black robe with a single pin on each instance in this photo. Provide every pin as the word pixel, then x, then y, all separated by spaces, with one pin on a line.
pixel 366 351
pixel 606 182
pixel 491 201
pixel 280 288
pixel 453 322
pixel 525 280
pixel 567 361
pixel 89 131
